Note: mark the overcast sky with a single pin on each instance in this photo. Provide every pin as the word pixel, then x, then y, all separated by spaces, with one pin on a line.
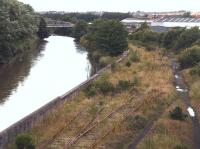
pixel 114 5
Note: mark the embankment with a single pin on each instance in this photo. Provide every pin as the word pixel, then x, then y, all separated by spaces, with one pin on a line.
pixel 8 135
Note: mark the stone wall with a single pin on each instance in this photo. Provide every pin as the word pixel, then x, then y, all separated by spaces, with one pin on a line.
pixel 8 135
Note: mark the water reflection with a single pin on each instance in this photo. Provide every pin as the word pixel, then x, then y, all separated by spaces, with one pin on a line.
pixel 16 72
pixel 39 76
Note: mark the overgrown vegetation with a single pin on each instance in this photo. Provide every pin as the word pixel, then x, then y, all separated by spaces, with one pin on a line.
pixel 190 57
pixel 24 141
pixel 177 114
pixel 18 27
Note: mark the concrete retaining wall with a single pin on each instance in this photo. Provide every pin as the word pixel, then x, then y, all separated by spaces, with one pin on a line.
pixel 8 135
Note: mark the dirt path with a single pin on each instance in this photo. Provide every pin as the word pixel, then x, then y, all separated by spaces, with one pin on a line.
pixel 183 93
pixel 182 90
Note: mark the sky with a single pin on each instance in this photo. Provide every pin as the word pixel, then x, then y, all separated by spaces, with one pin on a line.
pixel 113 5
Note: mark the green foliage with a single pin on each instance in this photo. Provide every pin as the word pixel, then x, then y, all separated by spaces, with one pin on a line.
pixel 145 35
pixel 43 31
pixel 17 25
pixel 93 109
pixel 107 36
pixel 187 38
pixel 137 123
pixel 105 86
pixel 177 114
pixel 135 56
pixel 136 81
pixel 105 60
pixel 123 85
pixel 87 17
pixel 91 90
pixel 24 141
pixel 128 63
pixel 190 57
pixel 195 70
pixel 115 15
pixel 170 37
pixel 80 29
pixel 113 66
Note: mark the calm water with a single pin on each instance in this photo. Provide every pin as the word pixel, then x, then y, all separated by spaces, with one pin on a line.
pixel 40 76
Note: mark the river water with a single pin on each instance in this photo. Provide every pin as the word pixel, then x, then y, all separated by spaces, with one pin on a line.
pixel 39 76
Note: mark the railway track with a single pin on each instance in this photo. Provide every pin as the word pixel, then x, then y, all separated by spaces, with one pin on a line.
pixel 89 135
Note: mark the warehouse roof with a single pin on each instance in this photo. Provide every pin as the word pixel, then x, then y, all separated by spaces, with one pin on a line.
pixel 178 19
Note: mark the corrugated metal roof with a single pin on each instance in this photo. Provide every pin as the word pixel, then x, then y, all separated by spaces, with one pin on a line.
pixel 178 19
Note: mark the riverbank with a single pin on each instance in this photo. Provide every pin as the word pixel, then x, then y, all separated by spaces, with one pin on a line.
pixel 33 81
pixel 113 126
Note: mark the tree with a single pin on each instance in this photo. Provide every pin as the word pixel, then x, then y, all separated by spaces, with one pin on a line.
pixel 107 36
pixel 43 31
pixel 80 29
pixel 171 36
pixel 24 141
pixel 17 25
pixel 187 38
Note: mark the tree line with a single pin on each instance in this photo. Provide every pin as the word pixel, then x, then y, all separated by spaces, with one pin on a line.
pixel 19 27
pixel 185 43
pixel 87 17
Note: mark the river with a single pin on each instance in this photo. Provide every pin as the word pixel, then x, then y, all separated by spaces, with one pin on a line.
pixel 39 76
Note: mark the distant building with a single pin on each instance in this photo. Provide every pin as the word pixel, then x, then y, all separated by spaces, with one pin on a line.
pixel 196 14
pixel 134 23
pixel 176 22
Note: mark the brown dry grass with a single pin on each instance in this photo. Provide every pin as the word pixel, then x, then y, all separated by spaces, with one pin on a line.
pixel 168 133
pixel 155 93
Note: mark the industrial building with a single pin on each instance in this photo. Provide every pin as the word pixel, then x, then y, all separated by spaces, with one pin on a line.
pixel 176 22
pixel 162 24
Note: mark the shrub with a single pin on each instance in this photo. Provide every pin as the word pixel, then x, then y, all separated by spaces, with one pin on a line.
pixel 136 123
pixel 128 63
pixel 24 141
pixel 123 84
pixel 113 66
pixel 105 60
pixel 190 57
pixel 90 90
pixel 93 110
pixel 177 114
pixel 136 81
pixel 195 70
pixel 187 38
pixel 104 85
pixel 135 57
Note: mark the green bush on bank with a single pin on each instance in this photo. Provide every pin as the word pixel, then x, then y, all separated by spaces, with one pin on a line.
pixel 135 56
pixel 24 141
pixel 177 114
pixel 190 57
pixel 195 70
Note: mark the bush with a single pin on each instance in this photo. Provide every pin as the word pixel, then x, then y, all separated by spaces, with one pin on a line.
pixel 190 57
pixel 177 114
pixel 135 57
pixel 136 123
pixel 105 60
pixel 187 38
pixel 24 141
pixel 123 84
pixel 135 81
pixel 195 70
pixel 90 90
pixel 113 66
pixel 104 85
pixel 128 63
